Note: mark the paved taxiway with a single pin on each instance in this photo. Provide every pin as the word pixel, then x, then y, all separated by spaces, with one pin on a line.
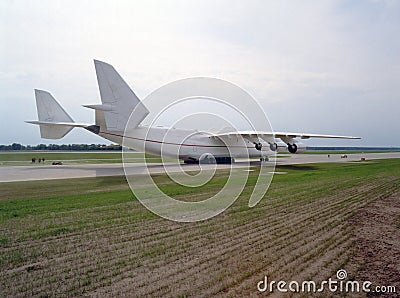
pixel 45 172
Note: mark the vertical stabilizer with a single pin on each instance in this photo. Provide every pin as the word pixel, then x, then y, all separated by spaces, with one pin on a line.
pixel 118 99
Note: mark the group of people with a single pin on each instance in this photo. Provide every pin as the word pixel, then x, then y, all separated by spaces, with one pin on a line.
pixel 39 160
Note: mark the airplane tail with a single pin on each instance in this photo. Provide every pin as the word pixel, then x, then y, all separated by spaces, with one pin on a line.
pixel 54 121
pixel 118 99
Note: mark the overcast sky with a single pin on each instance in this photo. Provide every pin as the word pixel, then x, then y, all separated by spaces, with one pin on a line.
pixel 315 66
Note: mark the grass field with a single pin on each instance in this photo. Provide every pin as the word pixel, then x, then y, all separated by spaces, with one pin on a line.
pixel 25 158
pixel 92 237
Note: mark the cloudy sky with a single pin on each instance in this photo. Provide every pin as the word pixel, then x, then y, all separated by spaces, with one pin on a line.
pixel 314 66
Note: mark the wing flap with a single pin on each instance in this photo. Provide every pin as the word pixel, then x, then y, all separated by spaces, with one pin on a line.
pixel 311 135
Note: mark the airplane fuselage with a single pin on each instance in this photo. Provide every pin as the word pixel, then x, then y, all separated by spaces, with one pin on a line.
pixel 185 144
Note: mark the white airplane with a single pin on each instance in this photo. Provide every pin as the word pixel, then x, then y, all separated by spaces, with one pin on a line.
pixel 191 146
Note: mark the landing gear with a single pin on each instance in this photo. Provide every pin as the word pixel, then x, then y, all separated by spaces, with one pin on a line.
pixel 191 161
pixel 264 159
pixel 224 160
pixel 218 160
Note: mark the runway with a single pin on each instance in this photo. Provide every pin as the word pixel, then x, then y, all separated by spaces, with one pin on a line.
pixel 46 172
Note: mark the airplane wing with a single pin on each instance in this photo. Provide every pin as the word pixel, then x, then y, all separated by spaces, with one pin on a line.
pixel 289 138
pixel 289 135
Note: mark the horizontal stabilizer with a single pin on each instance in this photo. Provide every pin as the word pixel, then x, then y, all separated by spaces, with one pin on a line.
pixel 71 124
pixel 103 107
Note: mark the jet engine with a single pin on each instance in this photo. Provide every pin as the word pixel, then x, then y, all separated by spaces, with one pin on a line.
pixel 273 146
pixel 296 147
pixel 263 146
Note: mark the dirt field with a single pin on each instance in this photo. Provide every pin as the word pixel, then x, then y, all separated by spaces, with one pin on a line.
pixel 95 239
pixel 377 243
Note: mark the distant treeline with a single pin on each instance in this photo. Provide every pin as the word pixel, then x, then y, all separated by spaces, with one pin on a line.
pixel 354 148
pixel 64 147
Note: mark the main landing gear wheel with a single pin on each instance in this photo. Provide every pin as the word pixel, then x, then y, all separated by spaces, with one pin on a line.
pixel 264 159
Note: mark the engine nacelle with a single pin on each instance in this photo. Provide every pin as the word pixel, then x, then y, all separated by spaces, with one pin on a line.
pixel 263 146
pixel 259 146
pixel 296 147
pixel 273 147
